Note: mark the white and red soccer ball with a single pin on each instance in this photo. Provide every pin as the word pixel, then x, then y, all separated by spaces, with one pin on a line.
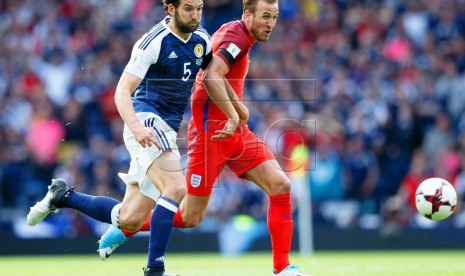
pixel 436 198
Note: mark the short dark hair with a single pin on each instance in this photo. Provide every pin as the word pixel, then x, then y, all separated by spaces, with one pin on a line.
pixel 175 3
pixel 251 5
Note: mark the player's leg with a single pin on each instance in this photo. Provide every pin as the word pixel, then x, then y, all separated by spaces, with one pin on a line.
pixel 135 208
pixel 60 195
pixel 166 172
pixel 139 198
pixel 140 195
pixel 271 178
pixel 134 212
pixel 193 209
pixel 255 162
pixel 201 174
pixel 190 213
pixel 206 160
pixel 130 214
pixel 274 182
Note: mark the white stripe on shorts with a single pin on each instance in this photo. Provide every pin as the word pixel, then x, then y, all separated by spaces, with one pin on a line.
pixel 164 143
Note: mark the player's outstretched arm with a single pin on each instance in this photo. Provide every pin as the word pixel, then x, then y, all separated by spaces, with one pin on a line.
pixel 126 86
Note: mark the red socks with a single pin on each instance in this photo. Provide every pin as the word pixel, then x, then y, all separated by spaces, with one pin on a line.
pixel 177 220
pixel 280 226
pixel 177 223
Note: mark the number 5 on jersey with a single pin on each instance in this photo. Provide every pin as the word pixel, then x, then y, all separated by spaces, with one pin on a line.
pixel 187 71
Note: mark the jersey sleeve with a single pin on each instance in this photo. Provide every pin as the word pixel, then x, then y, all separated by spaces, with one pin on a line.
pixel 141 60
pixel 207 57
pixel 206 60
pixel 234 45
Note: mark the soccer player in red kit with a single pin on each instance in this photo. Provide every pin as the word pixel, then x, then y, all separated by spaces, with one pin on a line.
pixel 219 136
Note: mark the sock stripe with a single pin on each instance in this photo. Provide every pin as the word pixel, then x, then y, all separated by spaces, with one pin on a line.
pixel 168 204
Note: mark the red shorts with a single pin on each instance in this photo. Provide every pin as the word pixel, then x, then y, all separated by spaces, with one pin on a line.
pixel 241 153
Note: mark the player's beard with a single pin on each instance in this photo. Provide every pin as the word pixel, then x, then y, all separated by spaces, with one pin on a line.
pixel 185 27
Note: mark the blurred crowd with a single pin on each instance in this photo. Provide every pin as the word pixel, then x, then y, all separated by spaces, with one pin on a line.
pixel 375 90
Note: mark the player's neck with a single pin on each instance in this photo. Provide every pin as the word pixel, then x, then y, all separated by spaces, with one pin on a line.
pixel 248 26
pixel 175 30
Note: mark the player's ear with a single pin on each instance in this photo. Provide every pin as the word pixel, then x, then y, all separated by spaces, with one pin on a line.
pixel 171 10
pixel 247 14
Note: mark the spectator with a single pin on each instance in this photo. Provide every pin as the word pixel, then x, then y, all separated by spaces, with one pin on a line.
pixel 361 169
pixel 438 137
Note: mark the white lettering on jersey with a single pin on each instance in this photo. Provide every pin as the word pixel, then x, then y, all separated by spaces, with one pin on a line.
pixel 233 50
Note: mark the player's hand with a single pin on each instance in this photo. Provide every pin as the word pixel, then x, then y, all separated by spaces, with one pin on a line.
pixel 228 130
pixel 243 112
pixel 145 135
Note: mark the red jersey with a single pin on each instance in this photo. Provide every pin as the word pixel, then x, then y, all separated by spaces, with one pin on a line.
pixel 231 43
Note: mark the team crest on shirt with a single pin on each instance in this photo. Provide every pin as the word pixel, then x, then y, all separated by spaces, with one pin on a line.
pixel 198 50
pixel 195 180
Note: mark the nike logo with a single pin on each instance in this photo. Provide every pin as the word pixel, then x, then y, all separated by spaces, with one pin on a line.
pixel 107 255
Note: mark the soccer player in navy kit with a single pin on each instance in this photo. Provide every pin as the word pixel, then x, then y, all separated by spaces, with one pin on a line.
pixel 151 97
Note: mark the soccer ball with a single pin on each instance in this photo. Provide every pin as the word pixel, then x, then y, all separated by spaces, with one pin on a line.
pixel 435 198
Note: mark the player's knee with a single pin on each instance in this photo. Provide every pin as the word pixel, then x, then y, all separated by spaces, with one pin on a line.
pixel 176 190
pixel 281 185
pixel 192 220
pixel 131 222
pixel 181 193
pixel 176 193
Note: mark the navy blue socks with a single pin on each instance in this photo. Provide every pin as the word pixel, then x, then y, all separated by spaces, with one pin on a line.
pixel 97 207
pixel 161 225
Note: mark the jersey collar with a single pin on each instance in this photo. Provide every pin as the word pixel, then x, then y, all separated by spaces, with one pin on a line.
pixel 167 19
pixel 242 24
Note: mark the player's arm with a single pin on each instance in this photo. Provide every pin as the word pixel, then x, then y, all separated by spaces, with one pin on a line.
pixel 214 82
pixel 132 76
pixel 241 109
pixel 127 84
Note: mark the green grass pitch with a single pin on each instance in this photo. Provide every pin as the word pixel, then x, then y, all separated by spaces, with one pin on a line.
pixel 346 263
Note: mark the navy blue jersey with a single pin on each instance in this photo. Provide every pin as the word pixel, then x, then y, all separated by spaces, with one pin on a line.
pixel 167 65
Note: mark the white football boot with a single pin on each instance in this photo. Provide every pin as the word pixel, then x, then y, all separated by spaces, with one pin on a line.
pixel 290 270
pixel 49 203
